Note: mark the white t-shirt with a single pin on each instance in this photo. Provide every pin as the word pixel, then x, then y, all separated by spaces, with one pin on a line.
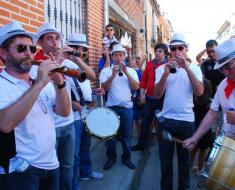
pixel 178 100
pixel 87 94
pixel 59 120
pixel 35 135
pixel 119 93
pixel 107 41
pixel 226 104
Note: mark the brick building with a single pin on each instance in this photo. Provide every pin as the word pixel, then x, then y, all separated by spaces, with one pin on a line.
pixel 78 16
pixel 158 28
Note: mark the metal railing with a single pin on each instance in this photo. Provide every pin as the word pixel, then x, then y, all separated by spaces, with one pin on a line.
pixel 66 15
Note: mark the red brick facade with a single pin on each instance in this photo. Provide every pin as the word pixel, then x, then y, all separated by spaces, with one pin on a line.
pixel 29 12
pixel 95 30
pixel 133 8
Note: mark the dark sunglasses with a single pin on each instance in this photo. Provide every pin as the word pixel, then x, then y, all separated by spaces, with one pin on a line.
pixel 180 48
pixel 228 67
pixel 22 48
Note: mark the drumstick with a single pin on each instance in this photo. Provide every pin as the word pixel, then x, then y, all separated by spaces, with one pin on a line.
pixel 101 96
pixel 166 135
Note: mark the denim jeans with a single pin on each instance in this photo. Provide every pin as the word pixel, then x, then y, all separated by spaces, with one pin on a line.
pixel 33 179
pixel 82 158
pixel 126 121
pixel 65 145
pixel 2 181
pixel 182 130
pixel 150 106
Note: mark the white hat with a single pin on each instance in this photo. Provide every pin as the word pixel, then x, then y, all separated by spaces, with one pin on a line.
pixel 14 28
pixel 118 48
pixel 47 28
pixel 178 39
pixel 224 52
pixel 77 39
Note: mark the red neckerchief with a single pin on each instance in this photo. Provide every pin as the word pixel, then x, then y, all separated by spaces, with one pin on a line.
pixel 229 88
pixel 40 56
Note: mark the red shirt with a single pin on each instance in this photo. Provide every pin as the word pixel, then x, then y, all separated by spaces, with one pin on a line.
pixel 148 77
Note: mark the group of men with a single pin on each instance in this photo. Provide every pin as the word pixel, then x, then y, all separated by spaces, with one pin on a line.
pixel 43 143
pixel 43 140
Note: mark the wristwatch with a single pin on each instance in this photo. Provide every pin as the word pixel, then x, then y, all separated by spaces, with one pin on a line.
pixel 60 86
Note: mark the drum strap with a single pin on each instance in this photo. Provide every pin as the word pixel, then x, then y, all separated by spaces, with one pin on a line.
pixel 79 90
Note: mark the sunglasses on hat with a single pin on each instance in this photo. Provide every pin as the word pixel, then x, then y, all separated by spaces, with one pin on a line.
pixel 180 48
pixel 23 47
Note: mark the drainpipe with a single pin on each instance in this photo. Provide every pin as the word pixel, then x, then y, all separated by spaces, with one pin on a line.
pixel 145 22
pixel 106 12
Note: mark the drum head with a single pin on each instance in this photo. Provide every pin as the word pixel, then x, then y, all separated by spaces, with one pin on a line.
pixel 102 122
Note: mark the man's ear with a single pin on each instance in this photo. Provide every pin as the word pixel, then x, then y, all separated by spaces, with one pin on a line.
pixel 3 53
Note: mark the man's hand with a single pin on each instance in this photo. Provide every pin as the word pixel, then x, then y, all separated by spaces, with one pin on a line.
pixel 45 75
pixel 182 63
pixel 115 70
pixel 142 98
pixel 189 143
pixel 167 67
pixel 230 116
pixel 99 91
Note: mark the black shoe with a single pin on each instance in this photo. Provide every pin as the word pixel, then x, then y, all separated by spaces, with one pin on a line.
pixel 108 164
pixel 129 164
pixel 137 147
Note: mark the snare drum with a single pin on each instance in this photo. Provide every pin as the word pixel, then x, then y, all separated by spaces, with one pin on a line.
pixel 219 171
pixel 102 122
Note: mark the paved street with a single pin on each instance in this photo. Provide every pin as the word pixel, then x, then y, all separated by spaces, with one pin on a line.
pixel 145 177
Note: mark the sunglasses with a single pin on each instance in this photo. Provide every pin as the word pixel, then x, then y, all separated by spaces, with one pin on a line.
pixel 180 48
pixel 228 67
pixel 22 48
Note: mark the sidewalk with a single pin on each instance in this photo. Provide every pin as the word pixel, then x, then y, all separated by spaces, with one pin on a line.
pixel 119 177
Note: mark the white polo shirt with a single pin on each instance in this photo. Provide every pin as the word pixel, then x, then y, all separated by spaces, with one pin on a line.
pixel 226 104
pixel 35 135
pixel 59 120
pixel 119 93
pixel 178 100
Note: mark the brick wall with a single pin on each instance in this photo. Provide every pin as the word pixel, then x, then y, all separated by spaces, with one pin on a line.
pixel 134 9
pixel 29 12
pixel 95 31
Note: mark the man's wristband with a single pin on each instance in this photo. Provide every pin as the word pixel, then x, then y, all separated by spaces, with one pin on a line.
pixel 60 86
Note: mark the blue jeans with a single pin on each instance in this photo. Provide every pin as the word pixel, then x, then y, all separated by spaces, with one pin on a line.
pixel 82 158
pixel 126 120
pixel 65 145
pixel 147 116
pixel 182 130
pixel 33 179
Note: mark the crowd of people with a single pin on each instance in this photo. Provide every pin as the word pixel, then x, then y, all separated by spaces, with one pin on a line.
pixel 43 141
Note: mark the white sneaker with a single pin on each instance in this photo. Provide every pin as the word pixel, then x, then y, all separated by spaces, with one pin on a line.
pixel 94 175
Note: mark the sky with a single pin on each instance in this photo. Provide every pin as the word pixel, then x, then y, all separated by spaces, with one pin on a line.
pixel 198 20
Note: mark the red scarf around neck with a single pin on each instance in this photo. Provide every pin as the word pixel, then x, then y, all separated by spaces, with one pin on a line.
pixel 229 88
